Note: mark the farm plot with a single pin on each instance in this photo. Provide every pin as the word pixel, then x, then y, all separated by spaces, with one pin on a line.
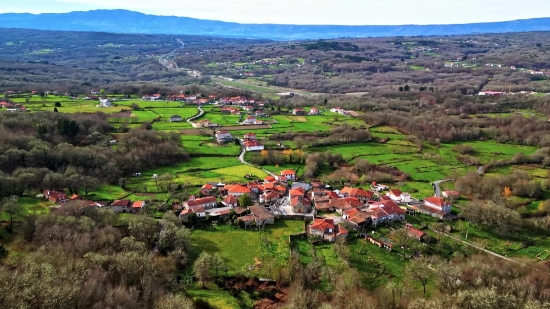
pixel 184 112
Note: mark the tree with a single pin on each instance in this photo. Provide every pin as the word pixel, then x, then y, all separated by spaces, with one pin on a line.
pixel 134 106
pixel 102 92
pixel 401 236
pixel 57 104
pixel 89 184
pixel 400 88
pixel 420 271
pixel 202 266
pixel 55 110
pixel 122 182
pixel 12 208
pixel 406 88
pixel 245 201
pixel 218 264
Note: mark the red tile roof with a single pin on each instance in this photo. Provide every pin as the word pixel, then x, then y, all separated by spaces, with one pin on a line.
pixel 437 201
pixel 299 191
pixel 237 189
pixel 357 192
pixel 416 233
pixel 202 201
pixel 123 203
pixel 138 204
pixel 230 200
pixel 288 172
pixel 323 224
pixel 396 192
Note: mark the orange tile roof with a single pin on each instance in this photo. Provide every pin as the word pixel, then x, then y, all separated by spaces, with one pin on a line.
pixel 288 172
pixel 437 201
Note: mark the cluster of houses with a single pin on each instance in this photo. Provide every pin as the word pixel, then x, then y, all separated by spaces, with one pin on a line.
pixel 357 207
pixel 13 107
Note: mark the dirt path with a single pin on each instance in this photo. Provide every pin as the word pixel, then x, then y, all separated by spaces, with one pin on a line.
pixel 477 247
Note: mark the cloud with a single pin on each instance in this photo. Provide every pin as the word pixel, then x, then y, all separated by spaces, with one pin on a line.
pixel 346 12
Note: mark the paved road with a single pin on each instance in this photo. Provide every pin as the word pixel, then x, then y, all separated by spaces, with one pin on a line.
pixel 241 159
pixel 437 188
pixel 201 112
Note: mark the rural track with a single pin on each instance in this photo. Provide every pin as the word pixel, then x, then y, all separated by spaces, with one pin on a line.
pixel 241 159
pixel 477 247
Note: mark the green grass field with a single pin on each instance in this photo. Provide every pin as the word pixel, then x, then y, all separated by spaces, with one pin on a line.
pixel 239 247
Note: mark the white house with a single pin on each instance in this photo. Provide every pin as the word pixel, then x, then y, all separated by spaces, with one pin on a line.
pixel 252 145
pixel 251 120
pixel 289 174
pixel 205 202
pixel 105 103
pixel 204 124
pixel 438 203
pixel 314 111
pixel 399 197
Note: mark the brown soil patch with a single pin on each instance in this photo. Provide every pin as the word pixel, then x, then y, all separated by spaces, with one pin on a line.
pixel 125 114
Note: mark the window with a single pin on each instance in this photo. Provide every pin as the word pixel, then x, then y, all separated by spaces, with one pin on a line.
pixel 330 230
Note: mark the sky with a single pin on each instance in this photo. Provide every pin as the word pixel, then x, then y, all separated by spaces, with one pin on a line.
pixel 333 12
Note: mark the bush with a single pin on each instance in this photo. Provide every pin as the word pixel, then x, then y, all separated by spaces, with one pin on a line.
pixel 3 252
pixel 463 149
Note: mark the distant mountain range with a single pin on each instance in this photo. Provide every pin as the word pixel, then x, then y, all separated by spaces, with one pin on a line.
pixel 123 21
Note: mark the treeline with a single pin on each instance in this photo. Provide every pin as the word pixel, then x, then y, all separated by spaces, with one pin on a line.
pixel 436 128
pixel 56 151
pixel 473 283
pixel 78 259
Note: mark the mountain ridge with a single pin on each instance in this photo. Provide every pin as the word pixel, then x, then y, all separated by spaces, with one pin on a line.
pixel 125 21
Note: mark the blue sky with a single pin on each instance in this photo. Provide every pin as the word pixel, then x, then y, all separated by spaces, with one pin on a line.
pixel 343 12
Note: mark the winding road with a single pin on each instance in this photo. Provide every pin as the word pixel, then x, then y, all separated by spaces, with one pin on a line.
pixel 437 188
pixel 201 112
pixel 241 159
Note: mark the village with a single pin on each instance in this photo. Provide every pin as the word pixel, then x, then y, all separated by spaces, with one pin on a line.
pixel 331 213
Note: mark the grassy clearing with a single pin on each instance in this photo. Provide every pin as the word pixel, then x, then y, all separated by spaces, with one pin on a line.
pixel 197 172
pixel 107 193
pixel 31 205
pixel 213 295
pixel 417 68
pixel 197 144
pixel 239 247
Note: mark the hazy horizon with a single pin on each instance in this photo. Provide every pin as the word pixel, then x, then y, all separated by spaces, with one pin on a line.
pixel 303 12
